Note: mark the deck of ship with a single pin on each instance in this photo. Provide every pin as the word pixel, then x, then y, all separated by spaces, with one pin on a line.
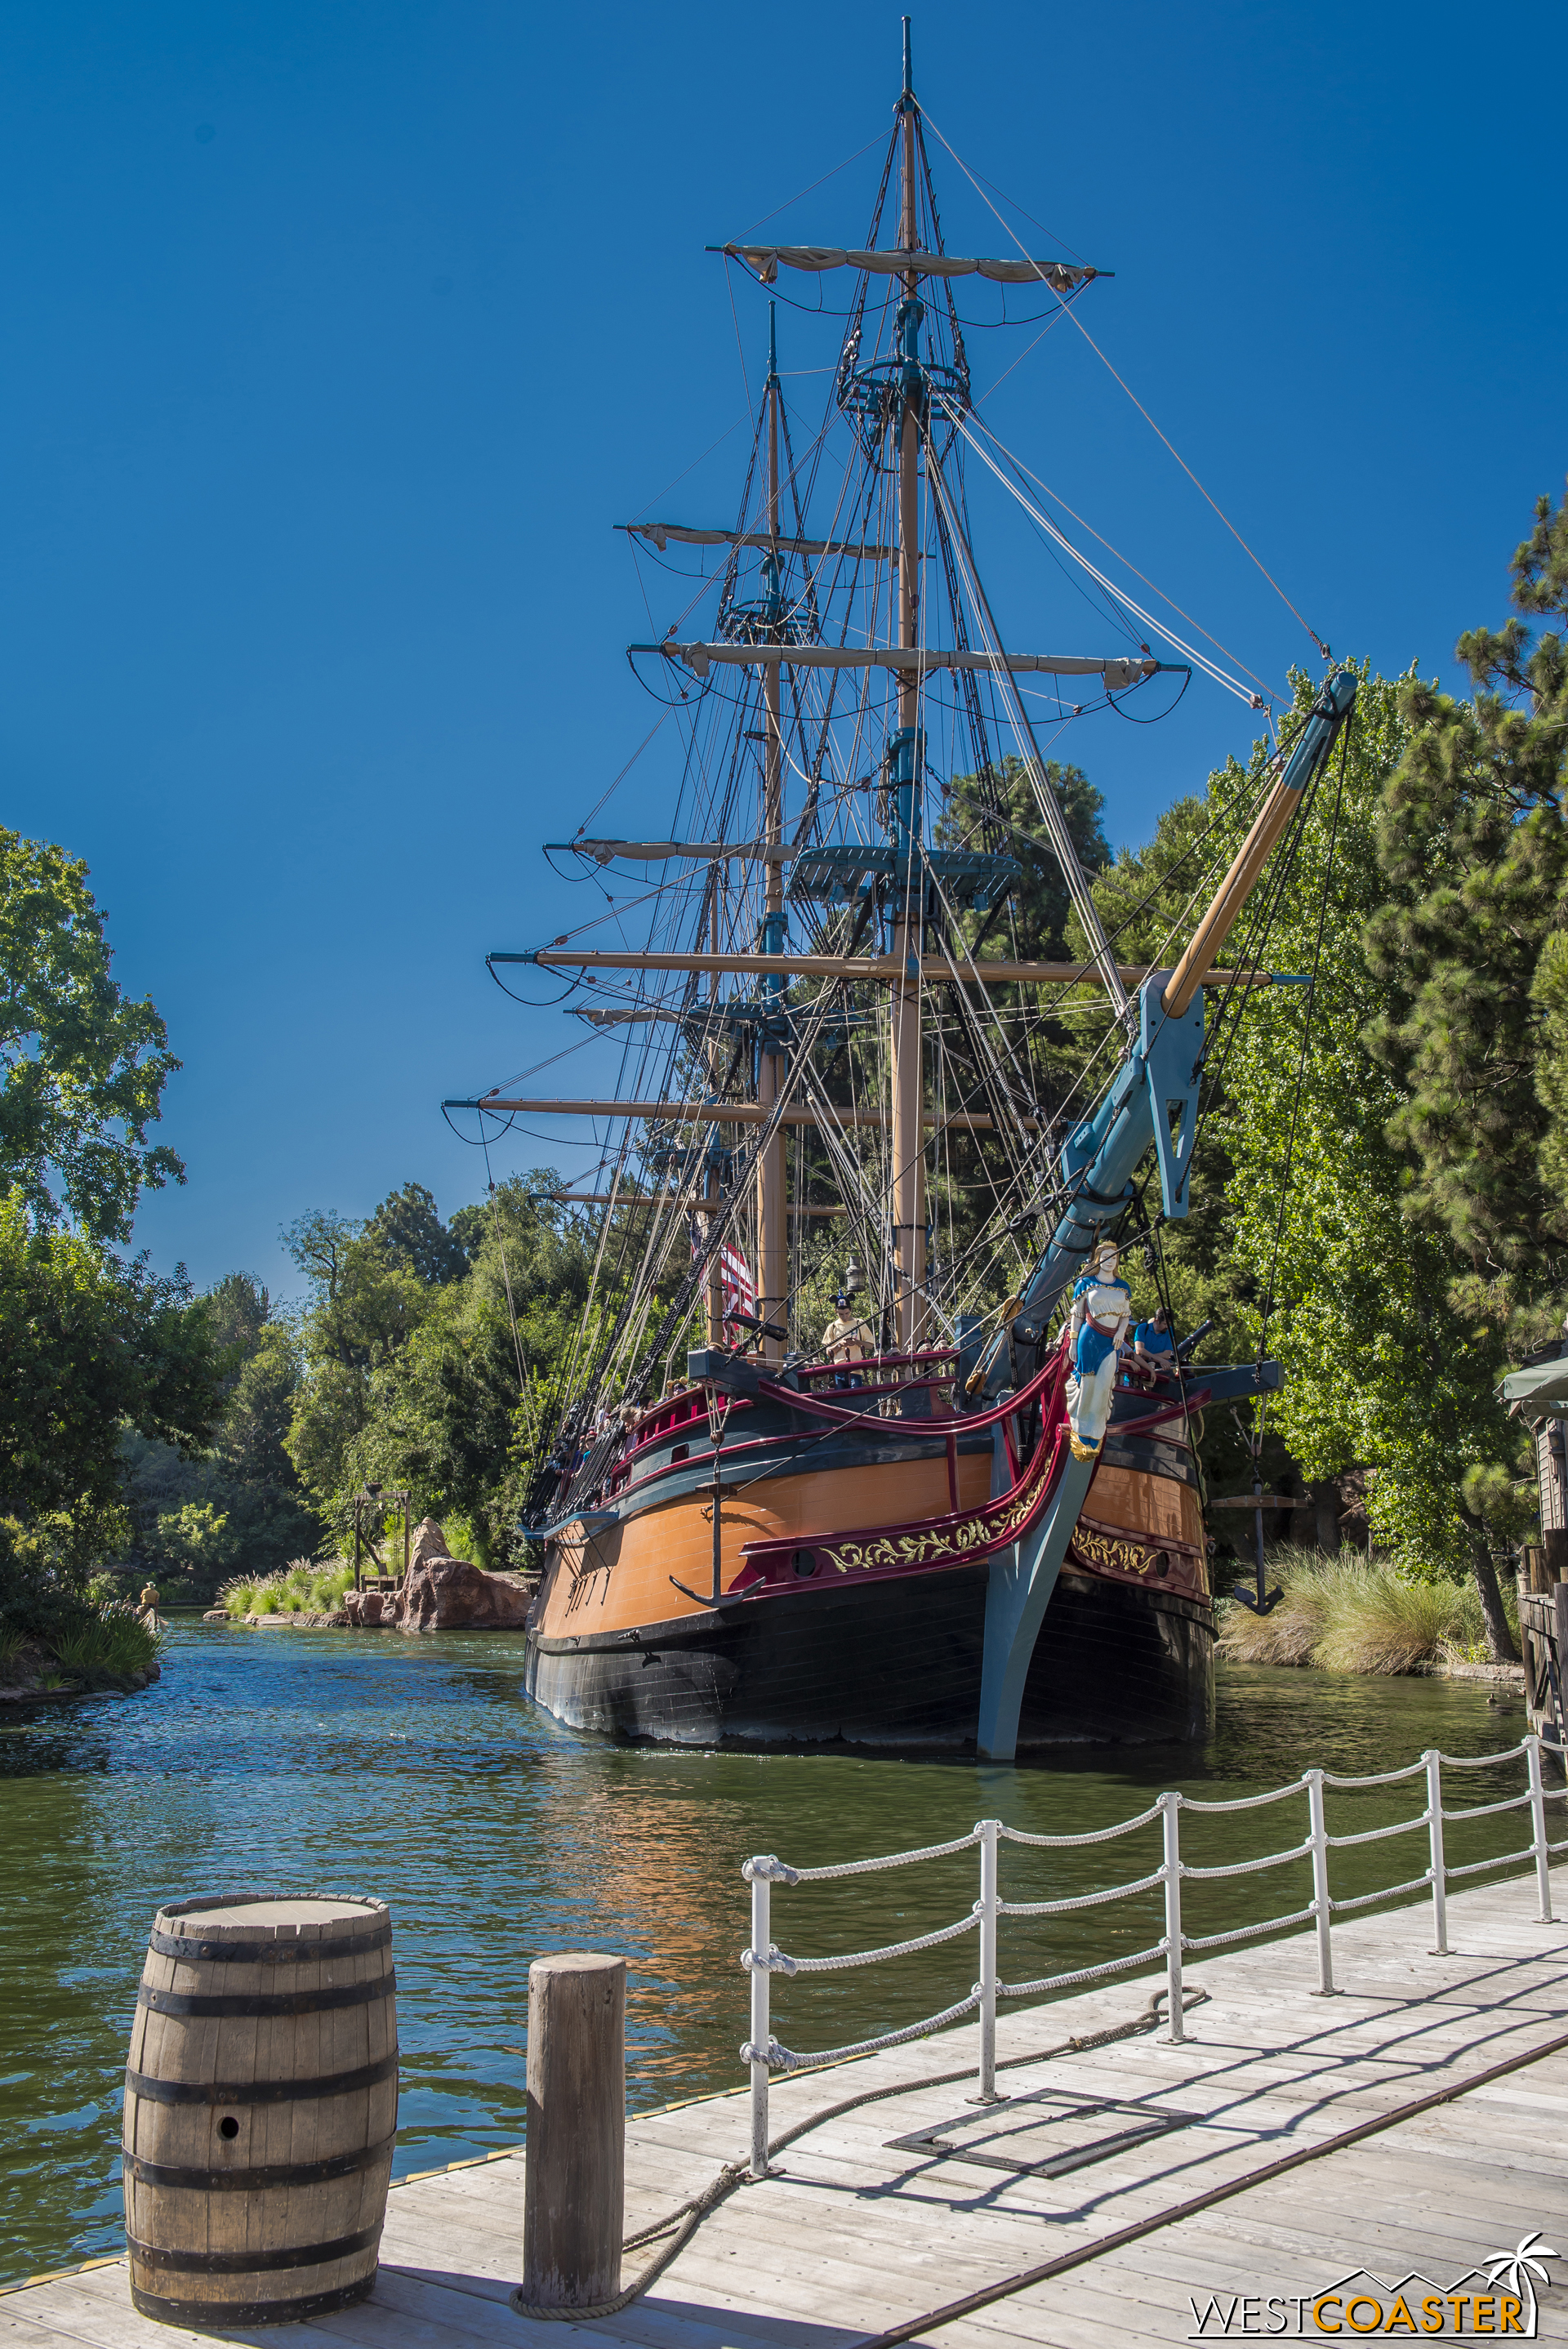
pixel 854 2238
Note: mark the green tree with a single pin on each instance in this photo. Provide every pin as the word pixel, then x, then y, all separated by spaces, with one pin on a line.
pixel 244 1483
pixel 457 1410
pixel 995 809
pixel 82 1067
pixel 1473 840
pixel 91 1345
pixel 371 1288
pixel 1299 1238
pixel 408 1225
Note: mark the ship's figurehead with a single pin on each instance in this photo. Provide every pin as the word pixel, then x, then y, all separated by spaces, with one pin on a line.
pixel 1101 1311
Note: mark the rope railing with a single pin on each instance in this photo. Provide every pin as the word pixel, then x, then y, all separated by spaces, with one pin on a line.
pixel 765 2054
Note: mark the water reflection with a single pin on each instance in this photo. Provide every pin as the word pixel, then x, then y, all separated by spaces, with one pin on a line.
pixel 417 1770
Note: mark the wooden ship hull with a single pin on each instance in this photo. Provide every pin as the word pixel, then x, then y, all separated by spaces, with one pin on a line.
pixel 871 1637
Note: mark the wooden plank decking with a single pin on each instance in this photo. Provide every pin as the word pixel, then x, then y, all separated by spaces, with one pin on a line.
pixel 854 2237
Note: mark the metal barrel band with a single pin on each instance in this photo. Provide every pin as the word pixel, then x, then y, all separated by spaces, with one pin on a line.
pixel 256 2003
pixel 259 2092
pixel 287 2255
pixel 257 2182
pixel 208 2315
pixel 295 1951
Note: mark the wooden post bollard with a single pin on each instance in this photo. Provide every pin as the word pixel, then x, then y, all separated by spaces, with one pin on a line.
pixel 575 2182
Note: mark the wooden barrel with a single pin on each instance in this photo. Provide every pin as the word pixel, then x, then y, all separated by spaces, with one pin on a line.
pixel 261 2104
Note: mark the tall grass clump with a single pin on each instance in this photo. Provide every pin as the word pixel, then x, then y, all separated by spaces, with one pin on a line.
pixel 108 1645
pixel 297 1588
pixel 1352 1614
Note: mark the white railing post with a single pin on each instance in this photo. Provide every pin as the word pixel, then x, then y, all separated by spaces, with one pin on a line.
pixel 1170 1805
pixel 759 1952
pixel 1434 1762
pixel 1323 1908
pixel 1538 1828
pixel 989 1832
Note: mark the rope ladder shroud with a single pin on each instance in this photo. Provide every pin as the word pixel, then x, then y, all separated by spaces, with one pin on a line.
pixel 764 2052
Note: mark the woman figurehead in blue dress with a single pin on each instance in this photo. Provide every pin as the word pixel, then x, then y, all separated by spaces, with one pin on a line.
pixel 1101 1312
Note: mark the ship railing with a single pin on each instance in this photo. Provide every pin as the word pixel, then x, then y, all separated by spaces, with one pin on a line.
pixel 765 2054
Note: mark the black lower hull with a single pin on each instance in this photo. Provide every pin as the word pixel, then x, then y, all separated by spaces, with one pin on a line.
pixel 891 1666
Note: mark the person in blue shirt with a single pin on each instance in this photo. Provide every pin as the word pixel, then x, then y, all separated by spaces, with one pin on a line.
pixel 1154 1344
pixel 1101 1313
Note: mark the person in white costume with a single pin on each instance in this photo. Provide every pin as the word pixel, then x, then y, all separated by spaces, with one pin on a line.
pixel 1101 1310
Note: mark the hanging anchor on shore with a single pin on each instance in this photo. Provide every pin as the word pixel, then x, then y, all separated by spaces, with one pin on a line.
pixel 1261 1600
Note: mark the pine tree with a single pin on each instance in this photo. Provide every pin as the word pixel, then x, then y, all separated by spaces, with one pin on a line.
pixel 1472 838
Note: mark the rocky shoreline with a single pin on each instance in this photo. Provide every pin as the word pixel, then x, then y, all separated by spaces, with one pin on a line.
pixel 439 1593
pixel 35 1677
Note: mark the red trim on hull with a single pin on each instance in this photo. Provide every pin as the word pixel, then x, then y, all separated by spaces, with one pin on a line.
pixel 926 1544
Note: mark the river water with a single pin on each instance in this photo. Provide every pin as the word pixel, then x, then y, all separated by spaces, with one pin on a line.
pixel 418 1771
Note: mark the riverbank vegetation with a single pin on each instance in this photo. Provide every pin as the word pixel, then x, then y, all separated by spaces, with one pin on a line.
pixel 1346 1613
pixel 301 1588
pixel 95 1345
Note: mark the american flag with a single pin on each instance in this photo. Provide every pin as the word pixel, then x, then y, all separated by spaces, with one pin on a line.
pixel 735 1285
pixel 735 1279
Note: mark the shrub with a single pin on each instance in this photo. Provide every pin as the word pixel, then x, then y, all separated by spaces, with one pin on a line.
pixel 105 1646
pixel 299 1589
pixel 1289 1633
pixel 1352 1614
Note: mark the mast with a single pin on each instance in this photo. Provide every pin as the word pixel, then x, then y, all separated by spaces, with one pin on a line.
pixel 906 782
pixel 716 1070
pixel 772 1257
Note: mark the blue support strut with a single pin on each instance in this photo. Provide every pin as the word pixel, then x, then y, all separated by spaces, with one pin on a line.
pixel 1151 1098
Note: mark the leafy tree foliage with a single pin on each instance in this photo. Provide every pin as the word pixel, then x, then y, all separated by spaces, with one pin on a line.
pixel 997 810
pixel 364 1302
pixel 237 1504
pixel 412 1372
pixel 1382 1372
pixel 91 1346
pixel 82 1067
pixel 406 1224
pixel 1472 840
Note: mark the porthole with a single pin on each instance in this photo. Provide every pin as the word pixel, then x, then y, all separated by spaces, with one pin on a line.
pixel 1162 1563
pixel 229 2126
pixel 805 1562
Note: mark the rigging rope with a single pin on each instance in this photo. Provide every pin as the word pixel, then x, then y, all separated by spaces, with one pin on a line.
pixel 1301 1062
pixel 1154 428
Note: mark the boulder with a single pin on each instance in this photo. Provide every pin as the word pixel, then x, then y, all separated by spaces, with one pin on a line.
pixel 429 1541
pixel 447 1593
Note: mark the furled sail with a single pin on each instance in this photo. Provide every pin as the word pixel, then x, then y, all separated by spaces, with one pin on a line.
pixel 658 532
pixel 1117 671
pixel 1061 277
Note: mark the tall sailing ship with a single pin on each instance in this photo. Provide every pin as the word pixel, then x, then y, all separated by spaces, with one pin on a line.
pixel 948 1525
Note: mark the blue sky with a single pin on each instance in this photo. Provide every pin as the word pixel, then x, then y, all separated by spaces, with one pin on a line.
pixel 336 338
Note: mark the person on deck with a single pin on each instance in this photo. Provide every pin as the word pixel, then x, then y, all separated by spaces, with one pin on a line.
pixel 1154 1345
pixel 1101 1311
pixel 846 1340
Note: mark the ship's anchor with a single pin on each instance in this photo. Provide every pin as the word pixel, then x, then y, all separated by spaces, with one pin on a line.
pixel 718 1489
pixel 1261 1601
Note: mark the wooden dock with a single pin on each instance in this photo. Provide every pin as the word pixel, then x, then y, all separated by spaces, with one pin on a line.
pixel 856 2237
